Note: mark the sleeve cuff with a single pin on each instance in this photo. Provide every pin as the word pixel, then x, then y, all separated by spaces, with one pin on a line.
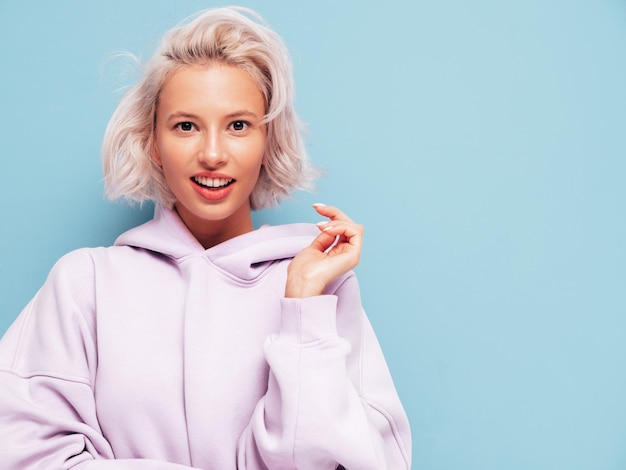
pixel 309 319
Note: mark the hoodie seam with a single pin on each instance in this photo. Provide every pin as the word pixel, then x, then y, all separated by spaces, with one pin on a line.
pixel 393 427
pixel 20 340
pixel 46 374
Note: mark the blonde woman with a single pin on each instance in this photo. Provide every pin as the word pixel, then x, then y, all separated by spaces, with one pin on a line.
pixel 197 341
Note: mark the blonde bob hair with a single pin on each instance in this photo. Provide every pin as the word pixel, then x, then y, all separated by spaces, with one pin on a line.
pixel 226 36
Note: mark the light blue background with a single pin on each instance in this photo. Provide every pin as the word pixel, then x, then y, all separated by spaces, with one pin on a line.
pixel 481 143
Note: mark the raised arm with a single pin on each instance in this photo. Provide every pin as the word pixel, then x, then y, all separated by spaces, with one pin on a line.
pixel 331 402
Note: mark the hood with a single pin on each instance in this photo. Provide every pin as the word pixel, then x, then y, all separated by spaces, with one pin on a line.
pixel 245 256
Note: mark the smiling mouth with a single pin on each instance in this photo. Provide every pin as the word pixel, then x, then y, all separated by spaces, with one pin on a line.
pixel 212 183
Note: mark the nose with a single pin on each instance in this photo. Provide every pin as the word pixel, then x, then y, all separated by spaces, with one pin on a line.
pixel 213 151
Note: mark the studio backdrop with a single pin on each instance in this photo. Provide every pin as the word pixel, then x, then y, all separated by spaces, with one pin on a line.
pixel 482 145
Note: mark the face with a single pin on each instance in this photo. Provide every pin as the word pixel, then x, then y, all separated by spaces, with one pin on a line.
pixel 210 142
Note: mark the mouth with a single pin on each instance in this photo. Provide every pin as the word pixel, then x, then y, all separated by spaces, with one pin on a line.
pixel 212 183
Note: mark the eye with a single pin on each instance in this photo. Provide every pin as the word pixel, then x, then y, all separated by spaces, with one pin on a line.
pixel 185 126
pixel 239 126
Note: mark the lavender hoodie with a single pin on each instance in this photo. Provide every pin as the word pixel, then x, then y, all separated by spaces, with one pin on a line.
pixel 158 354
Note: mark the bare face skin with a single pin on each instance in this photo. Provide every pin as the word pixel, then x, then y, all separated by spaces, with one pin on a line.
pixel 210 142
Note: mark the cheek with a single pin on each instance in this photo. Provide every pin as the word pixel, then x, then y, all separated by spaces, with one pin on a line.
pixel 172 152
pixel 158 152
pixel 257 152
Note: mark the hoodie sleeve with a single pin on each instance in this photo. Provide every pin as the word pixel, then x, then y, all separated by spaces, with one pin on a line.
pixel 331 402
pixel 48 360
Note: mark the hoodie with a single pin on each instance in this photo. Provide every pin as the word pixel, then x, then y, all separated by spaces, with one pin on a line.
pixel 158 354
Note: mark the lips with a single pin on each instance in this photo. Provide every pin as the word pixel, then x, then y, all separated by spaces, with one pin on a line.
pixel 213 187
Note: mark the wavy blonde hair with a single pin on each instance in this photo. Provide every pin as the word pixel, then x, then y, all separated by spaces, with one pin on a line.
pixel 230 36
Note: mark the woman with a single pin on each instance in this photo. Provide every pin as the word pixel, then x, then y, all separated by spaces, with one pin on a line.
pixel 197 341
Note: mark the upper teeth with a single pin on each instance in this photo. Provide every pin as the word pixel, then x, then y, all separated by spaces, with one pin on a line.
pixel 212 182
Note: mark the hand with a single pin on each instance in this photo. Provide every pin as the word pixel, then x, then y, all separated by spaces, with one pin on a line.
pixel 334 252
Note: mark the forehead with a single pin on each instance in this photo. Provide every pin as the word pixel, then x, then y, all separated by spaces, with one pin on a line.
pixel 211 84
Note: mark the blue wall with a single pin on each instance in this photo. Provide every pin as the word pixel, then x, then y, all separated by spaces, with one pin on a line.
pixel 482 144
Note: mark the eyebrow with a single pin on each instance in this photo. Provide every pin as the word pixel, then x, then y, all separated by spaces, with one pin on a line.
pixel 241 113
pixel 182 114
pixel 235 114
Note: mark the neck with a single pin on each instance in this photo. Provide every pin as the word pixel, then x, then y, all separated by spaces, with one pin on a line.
pixel 213 232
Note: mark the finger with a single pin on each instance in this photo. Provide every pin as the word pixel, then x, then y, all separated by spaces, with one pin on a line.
pixel 323 241
pixel 331 212
pixel 341 226
pixel 349 232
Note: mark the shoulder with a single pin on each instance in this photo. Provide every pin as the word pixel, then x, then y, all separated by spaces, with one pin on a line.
pixel 82 262
pixel 76 264
pixel 77 270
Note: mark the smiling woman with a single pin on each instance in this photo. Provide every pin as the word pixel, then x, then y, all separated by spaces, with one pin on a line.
pixel 197 341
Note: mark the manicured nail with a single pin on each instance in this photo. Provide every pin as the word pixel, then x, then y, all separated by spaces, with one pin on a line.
pixel 323 222
pixel 319 204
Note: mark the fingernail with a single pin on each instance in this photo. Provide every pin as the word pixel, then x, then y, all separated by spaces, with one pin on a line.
pixel 323 222
pixel 319 204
